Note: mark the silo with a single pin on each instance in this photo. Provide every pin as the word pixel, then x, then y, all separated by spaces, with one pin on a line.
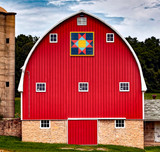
pixel 7 63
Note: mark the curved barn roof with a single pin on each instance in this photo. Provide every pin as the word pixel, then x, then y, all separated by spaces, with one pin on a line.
pixel 143 84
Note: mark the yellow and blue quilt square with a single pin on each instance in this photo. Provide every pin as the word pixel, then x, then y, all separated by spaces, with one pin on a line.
pixel 82 44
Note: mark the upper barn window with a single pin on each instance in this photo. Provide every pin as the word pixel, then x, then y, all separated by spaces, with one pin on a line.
pixel 53 38
pixel 83 87
pixel 81 21
pixel 40 87
pixel 124 86
pixel 109 37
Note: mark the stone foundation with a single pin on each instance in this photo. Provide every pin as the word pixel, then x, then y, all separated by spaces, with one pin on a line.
pixel 132 135
pixel 57 133
pixel 10 127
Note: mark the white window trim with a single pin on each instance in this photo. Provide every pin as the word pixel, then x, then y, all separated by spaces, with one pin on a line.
pixel 81 24
pixel 124 90
pixel 119 127
pixel 82 90
pixel 50 38
pixel 40 83
pixel 45 127
pixel 107 37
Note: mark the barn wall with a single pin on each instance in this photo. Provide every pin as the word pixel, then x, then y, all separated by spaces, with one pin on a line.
pixel 132 135
pixel 111 64
pixel 57 133
pixel 149 131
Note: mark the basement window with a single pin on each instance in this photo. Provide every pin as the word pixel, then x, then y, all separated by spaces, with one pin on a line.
pixel 81 21
pixel 7 40
pixel 53 38
pixel 83 87
pixel 119 124
pixel 109 37
pixel 124 86
pixel 45 124
pixel 40 87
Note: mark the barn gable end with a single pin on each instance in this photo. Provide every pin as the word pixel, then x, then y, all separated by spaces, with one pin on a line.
pixel 83 75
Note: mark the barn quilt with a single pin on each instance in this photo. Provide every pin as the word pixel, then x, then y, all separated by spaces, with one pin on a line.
pixel 82 44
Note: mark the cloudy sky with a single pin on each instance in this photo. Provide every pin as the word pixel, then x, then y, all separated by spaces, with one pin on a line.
pixel 137 18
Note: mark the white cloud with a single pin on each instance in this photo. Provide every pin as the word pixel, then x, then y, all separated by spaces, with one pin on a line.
pixel 137 19
pixel 140 17
pixel 61 2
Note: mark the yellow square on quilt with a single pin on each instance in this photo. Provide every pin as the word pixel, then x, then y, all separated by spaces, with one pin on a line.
pixel 82 43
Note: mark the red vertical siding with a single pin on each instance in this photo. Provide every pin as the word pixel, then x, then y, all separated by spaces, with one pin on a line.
pixel 112 63
pixel 82 132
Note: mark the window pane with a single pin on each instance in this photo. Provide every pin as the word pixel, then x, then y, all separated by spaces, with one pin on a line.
pixel 83 87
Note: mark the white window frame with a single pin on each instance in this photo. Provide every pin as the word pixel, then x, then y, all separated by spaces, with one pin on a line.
pixel 83 90
pixel 124 90
pixel 80 18
pixel 40 90
pixel 118 120
pixel 45 127
pixel 107 37
pixel 50 38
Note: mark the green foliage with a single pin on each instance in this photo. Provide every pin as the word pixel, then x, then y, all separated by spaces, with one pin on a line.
pixel 17 107
pixel 148 53
pixel 23 46
pixel 16 145
pixel 149 95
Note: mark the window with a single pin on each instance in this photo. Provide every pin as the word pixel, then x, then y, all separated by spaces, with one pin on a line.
pixel 109 37
pixel 81 21
pixel 7 40
pixel 119 124
pixel 45 124
pixel 53 38
pixel 40 87
pixel 83 87
pixel 124 86
pixel 7 84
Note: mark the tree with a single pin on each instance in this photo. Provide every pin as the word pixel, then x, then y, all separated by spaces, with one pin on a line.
pixel 148 53
pixel 23 46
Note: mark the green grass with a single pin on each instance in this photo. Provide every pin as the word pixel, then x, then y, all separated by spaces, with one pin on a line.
pixel 149 95
pixel 153 149
pixel 16 145
pixel 17 107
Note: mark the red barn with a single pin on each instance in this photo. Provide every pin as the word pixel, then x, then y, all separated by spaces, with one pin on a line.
pixel 82 83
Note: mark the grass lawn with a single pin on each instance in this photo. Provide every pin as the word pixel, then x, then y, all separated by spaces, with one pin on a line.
pixel 149 95
pixel 16 145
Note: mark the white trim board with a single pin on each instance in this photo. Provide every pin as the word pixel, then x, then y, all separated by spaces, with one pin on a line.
pixel 96 118
pixel 21 105
pixel 143 84
pixel 143 104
